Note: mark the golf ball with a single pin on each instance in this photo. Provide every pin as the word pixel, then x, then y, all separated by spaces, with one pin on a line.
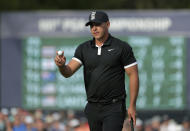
pixel 59 52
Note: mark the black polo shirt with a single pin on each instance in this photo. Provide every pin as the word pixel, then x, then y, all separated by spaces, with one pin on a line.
pixel 104 73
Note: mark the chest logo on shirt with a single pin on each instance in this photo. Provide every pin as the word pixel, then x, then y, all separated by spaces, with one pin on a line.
pixel 110 49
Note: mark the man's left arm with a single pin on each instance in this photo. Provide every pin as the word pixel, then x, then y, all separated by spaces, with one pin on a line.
pixel 132 73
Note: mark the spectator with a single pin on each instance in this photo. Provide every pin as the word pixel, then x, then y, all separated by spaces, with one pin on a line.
pixel 49 121
pixel 83 125
pixel 139 125
pixel 17 119
pixel 57 126
pixel 148 126
pixel 165 123
pixel 17 124
pixel 126 125
pixel 40 125
pixel 29 122
pixel 173 126
pixel 73 124
pixel 38 114
pixel 186 124
pixel 156 123
pixel 2 122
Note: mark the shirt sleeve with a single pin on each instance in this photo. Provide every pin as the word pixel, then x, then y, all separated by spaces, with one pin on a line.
pixel 78 54
pixel 127 57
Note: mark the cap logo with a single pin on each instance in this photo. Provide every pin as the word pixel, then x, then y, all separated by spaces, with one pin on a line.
pixel 92 17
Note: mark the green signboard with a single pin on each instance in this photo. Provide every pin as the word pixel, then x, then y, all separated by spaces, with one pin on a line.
pixel 161 64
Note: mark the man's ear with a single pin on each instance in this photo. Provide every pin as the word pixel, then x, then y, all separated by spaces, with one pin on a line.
pixel 108 24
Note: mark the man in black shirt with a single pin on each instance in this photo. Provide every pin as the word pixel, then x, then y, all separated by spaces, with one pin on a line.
pixel 105 60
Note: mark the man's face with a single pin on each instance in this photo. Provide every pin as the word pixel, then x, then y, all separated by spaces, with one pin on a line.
pixel 99 30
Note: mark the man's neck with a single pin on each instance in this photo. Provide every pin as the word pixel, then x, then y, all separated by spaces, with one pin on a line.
pixel 100 42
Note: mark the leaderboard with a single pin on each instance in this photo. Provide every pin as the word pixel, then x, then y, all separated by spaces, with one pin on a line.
pixel 161 64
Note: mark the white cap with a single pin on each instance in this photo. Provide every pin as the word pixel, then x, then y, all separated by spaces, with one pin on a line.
pixel 49 119
pixel 74 123
pixel 28 119
pixel 5 111
pixel 56 116
pixel 139 122
pixel 14 111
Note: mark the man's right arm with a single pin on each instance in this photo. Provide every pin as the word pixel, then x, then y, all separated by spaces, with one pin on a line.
pixel 69 69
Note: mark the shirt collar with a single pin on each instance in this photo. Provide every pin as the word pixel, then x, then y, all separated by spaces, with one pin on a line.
pixel 106 43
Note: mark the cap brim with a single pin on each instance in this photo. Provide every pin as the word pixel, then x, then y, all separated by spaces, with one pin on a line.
pixel 90 22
